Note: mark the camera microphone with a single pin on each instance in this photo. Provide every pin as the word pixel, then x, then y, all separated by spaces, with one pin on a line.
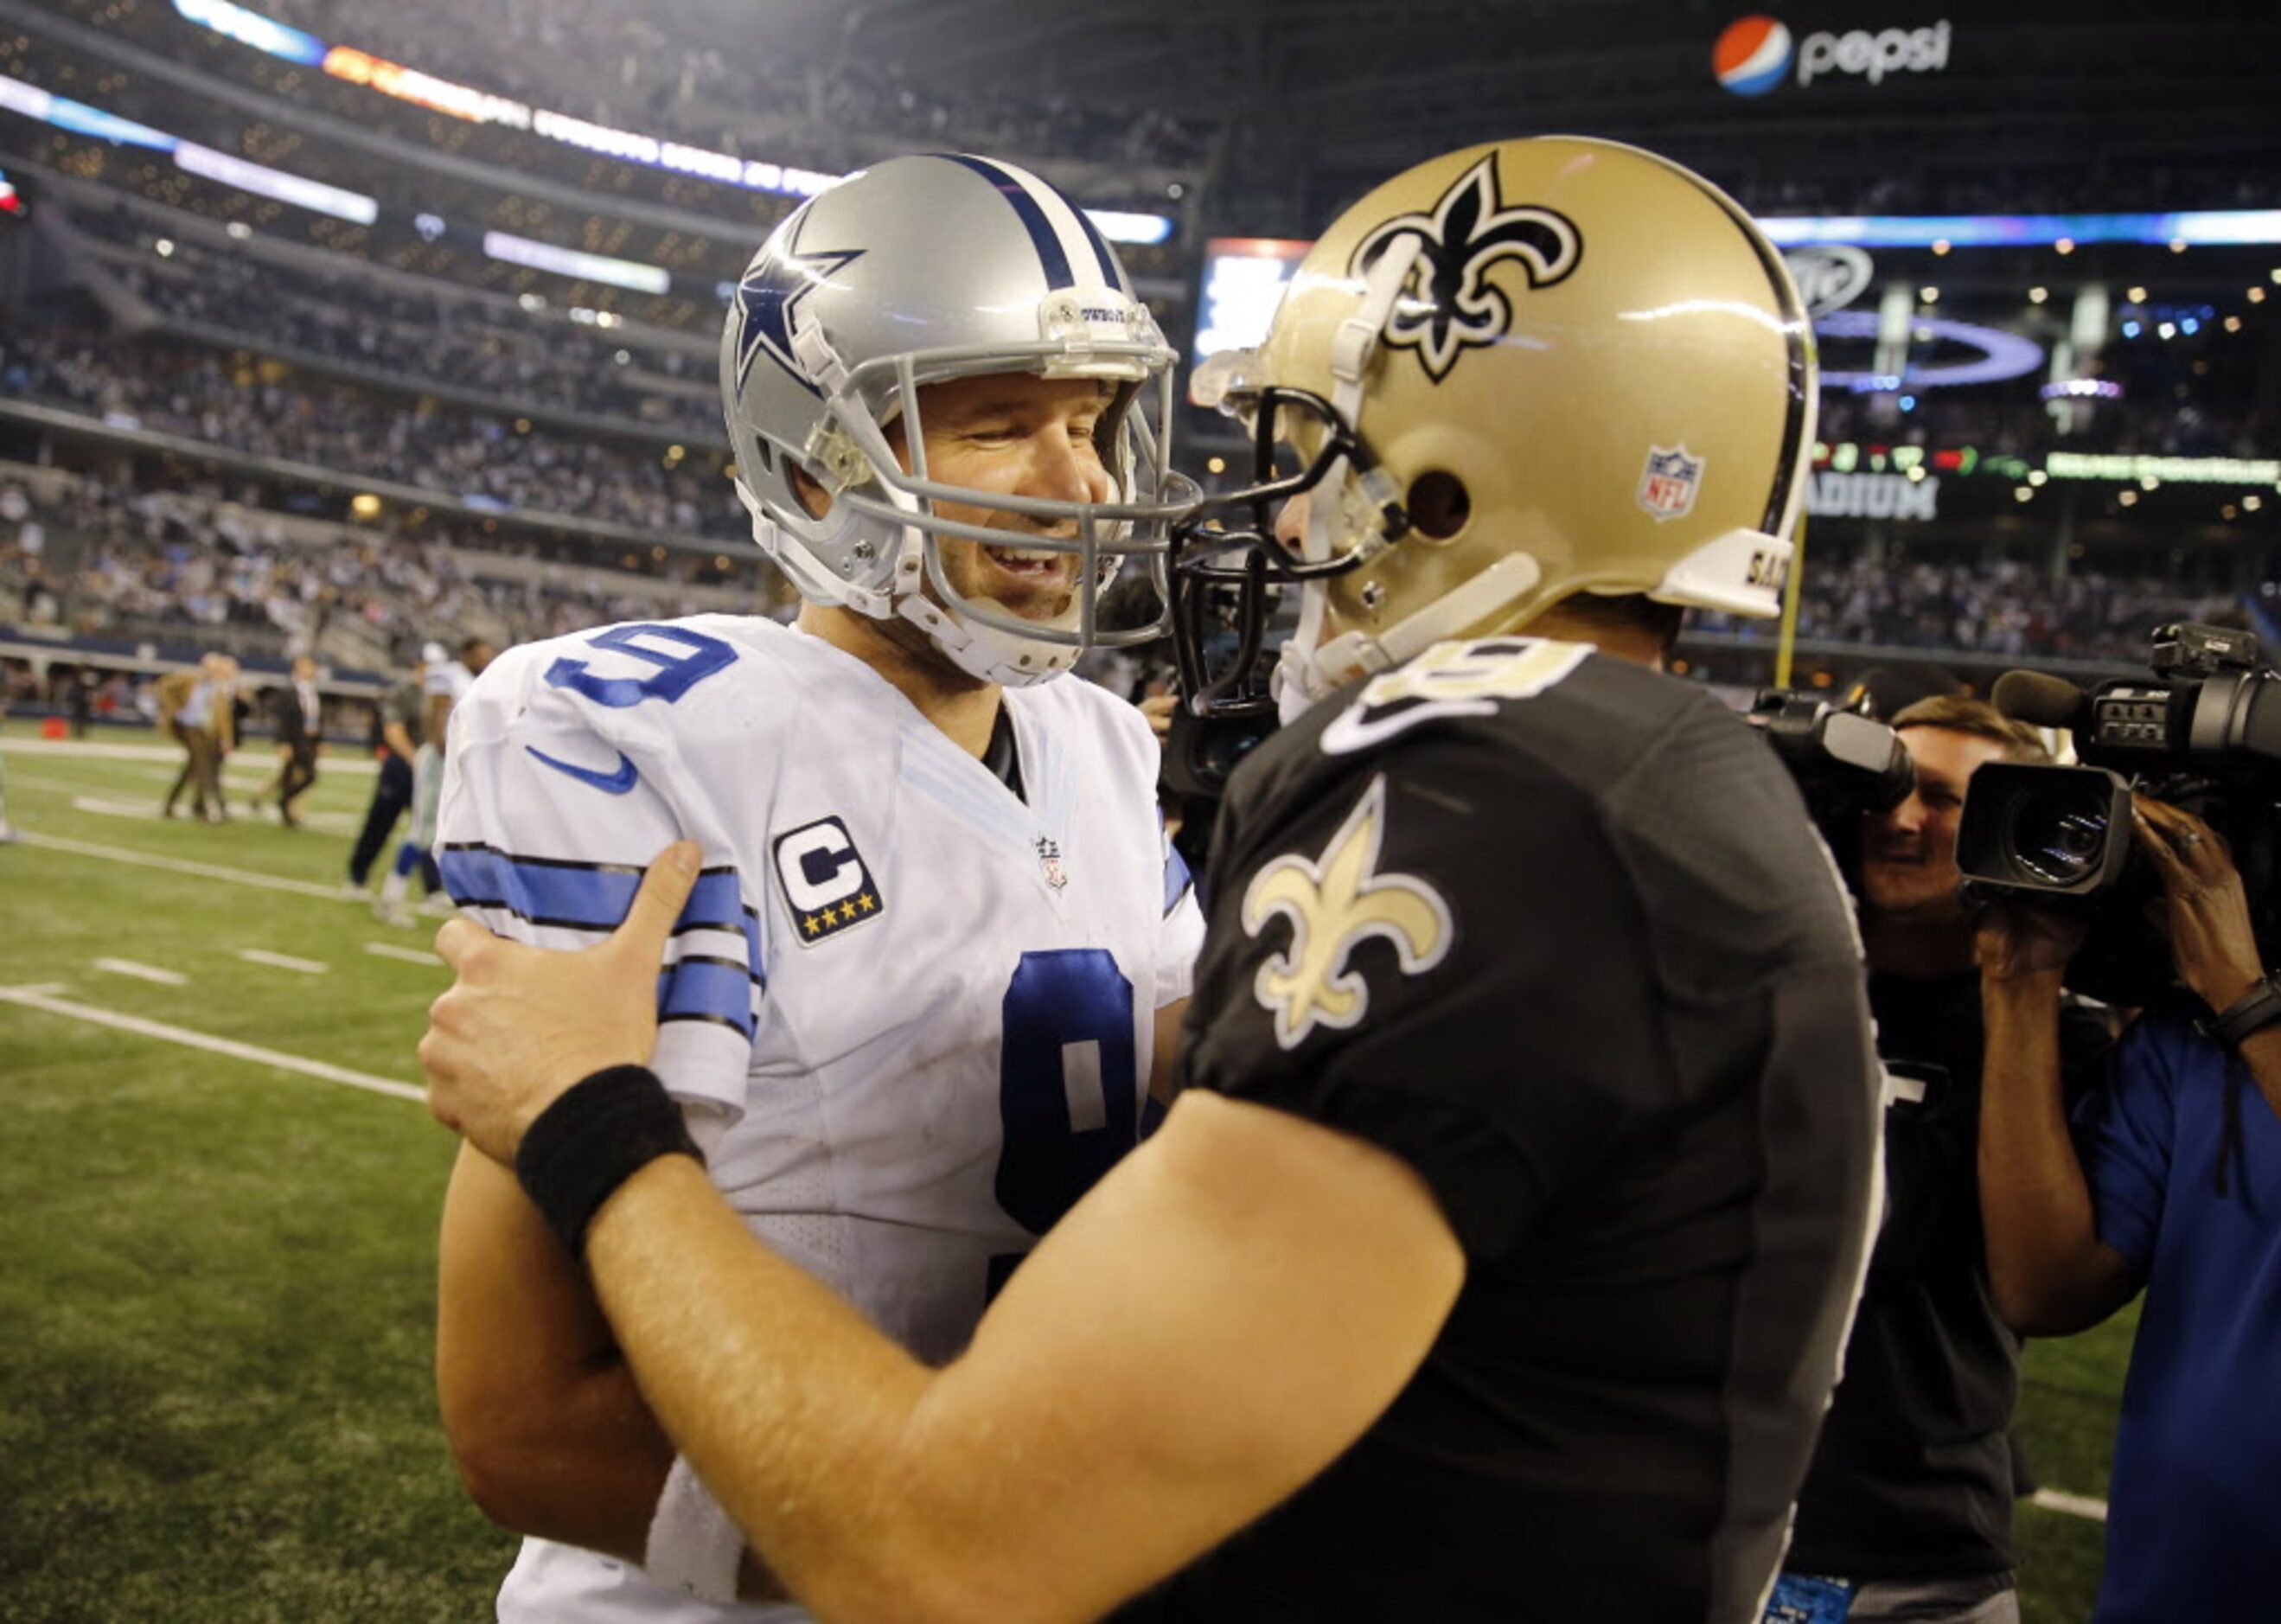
pixel 2040 700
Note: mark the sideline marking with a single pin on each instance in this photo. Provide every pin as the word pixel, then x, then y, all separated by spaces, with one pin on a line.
pixel 342 759
pixel 177 865
pixel 410 955
pixel 34 781
pixel 103 807
pixel 284 961
pixel 2073 1505
pixel 43 998
pixel 143 972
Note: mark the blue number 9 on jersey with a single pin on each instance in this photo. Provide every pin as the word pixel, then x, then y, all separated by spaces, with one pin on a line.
pixel 679 670
pixel 1068 1083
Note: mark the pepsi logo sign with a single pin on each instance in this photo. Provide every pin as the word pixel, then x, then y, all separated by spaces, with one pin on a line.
pixel 1753 54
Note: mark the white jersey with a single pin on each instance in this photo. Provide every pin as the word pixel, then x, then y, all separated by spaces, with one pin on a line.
pixel 923 1005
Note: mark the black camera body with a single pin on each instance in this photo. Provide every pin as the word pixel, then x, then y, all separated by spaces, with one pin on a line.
pixel 1844 762
pixel 1843 758
pixel 2204 734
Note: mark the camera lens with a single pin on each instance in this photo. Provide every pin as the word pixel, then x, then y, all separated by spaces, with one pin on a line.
pixel 2058 836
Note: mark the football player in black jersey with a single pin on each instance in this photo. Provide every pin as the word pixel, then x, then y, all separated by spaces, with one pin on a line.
pixel 1496 1264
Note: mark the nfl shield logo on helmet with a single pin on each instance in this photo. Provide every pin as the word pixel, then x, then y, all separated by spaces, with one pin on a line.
pixel 1666 488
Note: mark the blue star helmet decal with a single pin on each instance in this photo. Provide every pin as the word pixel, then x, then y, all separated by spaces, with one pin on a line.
pixel 768 302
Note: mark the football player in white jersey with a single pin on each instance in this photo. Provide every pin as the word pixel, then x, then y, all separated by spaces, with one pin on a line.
pixel 445 682
pixel 912 1009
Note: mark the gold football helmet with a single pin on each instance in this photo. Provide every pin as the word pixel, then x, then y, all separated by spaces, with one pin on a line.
pixel 1514 374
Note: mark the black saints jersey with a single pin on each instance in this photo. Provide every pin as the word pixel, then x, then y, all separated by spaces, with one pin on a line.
pixel 1554 929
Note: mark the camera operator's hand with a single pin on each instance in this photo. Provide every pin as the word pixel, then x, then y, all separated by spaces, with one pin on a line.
pixel 2016 942
pixel 2203 903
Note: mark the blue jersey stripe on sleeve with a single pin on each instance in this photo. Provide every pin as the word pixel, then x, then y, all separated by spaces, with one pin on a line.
pixel 589 896
pixel 709 990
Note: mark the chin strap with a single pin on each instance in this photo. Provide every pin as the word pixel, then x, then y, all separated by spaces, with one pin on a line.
pixel 981 651
pixel 1357 655
pixel 1297 680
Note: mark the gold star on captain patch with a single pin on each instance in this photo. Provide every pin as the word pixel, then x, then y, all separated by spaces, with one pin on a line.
pixel 867 902
pixel 809 923
pixel 847 913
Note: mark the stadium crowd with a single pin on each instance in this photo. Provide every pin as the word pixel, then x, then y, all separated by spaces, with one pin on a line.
pixel 1987 605
pixel 486 462
pixel 109 559
pixel 106 558
pixel 468 347
pixel 631 69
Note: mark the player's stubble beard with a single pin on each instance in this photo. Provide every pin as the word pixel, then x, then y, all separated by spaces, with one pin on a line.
pixel 1043 605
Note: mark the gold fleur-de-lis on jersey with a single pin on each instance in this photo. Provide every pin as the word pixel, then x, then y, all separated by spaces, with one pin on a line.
pixel 1334 904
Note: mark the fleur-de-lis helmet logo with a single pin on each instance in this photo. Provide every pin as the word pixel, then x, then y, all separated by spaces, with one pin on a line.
pixel 1335 903
pixel 1449 306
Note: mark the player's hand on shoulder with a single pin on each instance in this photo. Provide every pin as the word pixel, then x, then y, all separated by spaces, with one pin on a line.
pixel 519 1025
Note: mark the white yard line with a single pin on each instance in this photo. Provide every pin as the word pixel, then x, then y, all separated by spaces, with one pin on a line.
pixel 2073 1505
pixel 101 807
pixel 336 760
pixel 177 865
pixel 410 955
pixel 143 972
pixel 284 961
pixel 44 999
pixel 34 781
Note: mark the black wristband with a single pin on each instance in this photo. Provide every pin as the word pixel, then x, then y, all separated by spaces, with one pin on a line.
pixel 2253 1011
pixel 598 1135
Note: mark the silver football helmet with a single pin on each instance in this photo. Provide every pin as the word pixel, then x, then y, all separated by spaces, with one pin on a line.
pixel 914 271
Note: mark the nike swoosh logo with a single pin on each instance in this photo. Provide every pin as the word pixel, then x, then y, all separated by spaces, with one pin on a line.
pixel 616 783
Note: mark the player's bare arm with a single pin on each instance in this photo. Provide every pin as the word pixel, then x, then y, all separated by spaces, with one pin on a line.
pixel 1204 1279
pixel 550 1433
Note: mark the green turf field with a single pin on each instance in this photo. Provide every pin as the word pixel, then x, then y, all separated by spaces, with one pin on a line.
pixel 216 1272
pixel 216 1275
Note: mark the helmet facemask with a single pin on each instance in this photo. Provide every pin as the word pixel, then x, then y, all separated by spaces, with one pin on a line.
pixel 817 378
pixel 1362 516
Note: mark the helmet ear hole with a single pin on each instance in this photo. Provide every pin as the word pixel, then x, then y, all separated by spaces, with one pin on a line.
pixel 1438 505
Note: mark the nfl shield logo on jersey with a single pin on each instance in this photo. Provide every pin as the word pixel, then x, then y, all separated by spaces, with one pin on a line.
pixel 1049 859
pixel 1667 489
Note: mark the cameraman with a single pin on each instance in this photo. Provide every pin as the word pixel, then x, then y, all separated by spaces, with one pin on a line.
pixel 2168 1183
pixel 1906 1509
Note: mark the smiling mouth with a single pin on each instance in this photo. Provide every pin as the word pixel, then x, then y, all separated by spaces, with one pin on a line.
pixel 1038 565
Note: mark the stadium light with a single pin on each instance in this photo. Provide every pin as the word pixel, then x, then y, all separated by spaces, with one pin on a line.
pixel 570 262
pixel 478 106
pixel 2002 355
pixel 2060 231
